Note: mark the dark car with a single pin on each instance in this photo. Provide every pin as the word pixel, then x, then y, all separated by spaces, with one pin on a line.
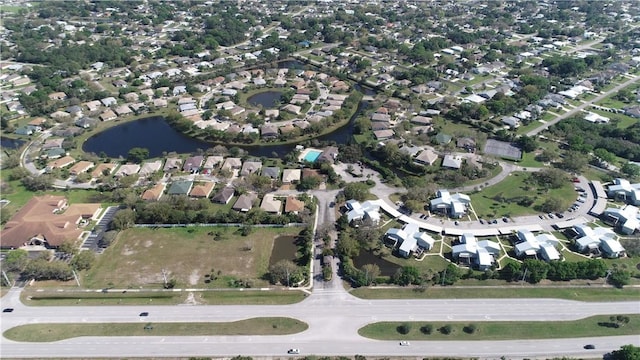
pixel 144 313
pixel 494 221
pixel 481 221
pixel 589 346
pixel 560 216
pixel 505 219
pixel 7 310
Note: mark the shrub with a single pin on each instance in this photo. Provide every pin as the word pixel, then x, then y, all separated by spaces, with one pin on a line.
pixel 470 329
pixel 404 329
pixel 426 329
pixel 446 330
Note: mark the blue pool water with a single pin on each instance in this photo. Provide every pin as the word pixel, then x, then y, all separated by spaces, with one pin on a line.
pixel 312 155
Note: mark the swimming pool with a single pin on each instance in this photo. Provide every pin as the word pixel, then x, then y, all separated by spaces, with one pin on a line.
pixel 312 155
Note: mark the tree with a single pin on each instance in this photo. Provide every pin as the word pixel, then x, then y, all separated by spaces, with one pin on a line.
pixel 68 247
pixel 407 275
pixel 285 272
pixel 550 178
pixel 16 260
pixel 124 219
pixel 551 204
pixel 369 272
pixel 630 169
pixel 358 191
pixel 84 260
pixel 573 161
pixel 619 278
pixel 536 270
pixel 426 329
pixel 138 154
pixel 626 352
pixel 404 328
pixel 450 275
pixel 527 143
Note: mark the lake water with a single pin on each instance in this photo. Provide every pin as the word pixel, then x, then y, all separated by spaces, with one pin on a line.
pixel 268 99
pixel 284 248
pixel 387 268
pixel 11 143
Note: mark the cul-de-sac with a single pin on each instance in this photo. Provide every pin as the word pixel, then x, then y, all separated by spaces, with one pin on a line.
pixel 320 180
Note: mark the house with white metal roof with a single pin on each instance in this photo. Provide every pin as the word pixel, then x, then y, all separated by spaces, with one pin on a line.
pixel 473 252
pixel 410 239
pixel 627 219
pixel 624 190
pixel 542 245
pixel 368 210
pixel 453 205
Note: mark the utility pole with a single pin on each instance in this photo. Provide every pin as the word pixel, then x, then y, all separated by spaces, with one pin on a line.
pixel 524 275
pixel 444 275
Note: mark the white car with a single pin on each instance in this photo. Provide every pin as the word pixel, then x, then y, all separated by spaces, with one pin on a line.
pixel 404 343
pixel 293 351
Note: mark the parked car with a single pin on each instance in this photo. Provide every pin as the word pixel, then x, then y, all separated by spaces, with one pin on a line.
pixel 505 219
pixel 456 223
pixel 293 351
pixel 541 217
pixel 494 221
pixel 560 216
pixel 481 221
pixel 7 310
pixel 550 215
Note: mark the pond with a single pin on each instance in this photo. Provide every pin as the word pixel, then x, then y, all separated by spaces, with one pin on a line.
pixel 284 248
pixel 8 143
pixel 268 99
pixel 152 133
pixel 387 268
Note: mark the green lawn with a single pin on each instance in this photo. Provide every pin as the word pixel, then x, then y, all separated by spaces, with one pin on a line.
pixel 188 255
pixel 514 291
pixel 57 332
pixel 503 330
pixel 501 199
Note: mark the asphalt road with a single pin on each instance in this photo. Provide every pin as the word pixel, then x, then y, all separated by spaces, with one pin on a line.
pixel 333 316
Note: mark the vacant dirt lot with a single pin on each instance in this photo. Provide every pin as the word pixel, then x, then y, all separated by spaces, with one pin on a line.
pixel 194 257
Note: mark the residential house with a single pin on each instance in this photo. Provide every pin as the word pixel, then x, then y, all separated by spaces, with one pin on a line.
pixel 626 219
pixel 86 122
pixel 172 164
pixel 269 131
pixel 442 138
pixel 47 221
pixel 271 205
pixel 80 167
pixel 543 245
pixel 410 238
pixel 293 205
pixel 383 134
pixel 211 163
pixel 57 96
pixel 329 154
pixel 154 193
pixel 366 211
pixel 60 163
pixel 192 164
pixel 232 163
pixel 109 101
pixel 622 189
pixel 123 110
pixel 108 115
pixel 272 172
pixel 250 167
pixel 103 169
pixel 54 153
pixel 244 202
pixel 127 170
pixel 452 161
pixel 150 167
pixel 224 195
pixel 180 187
pixel 52 143
pixel 426 157
pixel 466 143
pixel 202 190
pixel 472 252
pixel 454 205
pixel 291 176
pixel 598 240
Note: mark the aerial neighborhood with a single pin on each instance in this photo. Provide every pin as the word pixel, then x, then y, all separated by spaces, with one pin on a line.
pixel 303 146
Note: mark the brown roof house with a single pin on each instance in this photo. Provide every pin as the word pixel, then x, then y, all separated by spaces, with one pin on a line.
pixel 101 169
pixel 80 167
pixel 293 205
pixel 154 193
pixel 202 190
pixel 60 163
pixel 47 221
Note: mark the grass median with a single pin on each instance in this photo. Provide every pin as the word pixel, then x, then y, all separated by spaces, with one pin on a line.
pixel 221 297
pixel 56 332
pixel 600 325
pixel 513 292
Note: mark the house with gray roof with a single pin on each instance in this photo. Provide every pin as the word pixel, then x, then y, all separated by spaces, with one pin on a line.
pixel 250 167
pixel 272 172
pixel 410 239
pixel 224 195
pixel 244 202
pixel 271 205
pixel 192 164
pixel 172 164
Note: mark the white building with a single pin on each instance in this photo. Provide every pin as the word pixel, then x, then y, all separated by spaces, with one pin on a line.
pixel 626 218
pixel 622 189
pixel 410 238
pixel 543 245
pixel 598 239
pixel 368 210
pixel 453 205
pixel 472 252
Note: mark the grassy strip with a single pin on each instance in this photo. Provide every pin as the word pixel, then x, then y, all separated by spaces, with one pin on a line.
pixel 98 298
pixel 512 292
pixel 252 297
pixel 231 297
pixel 56 332
pixel 501 330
